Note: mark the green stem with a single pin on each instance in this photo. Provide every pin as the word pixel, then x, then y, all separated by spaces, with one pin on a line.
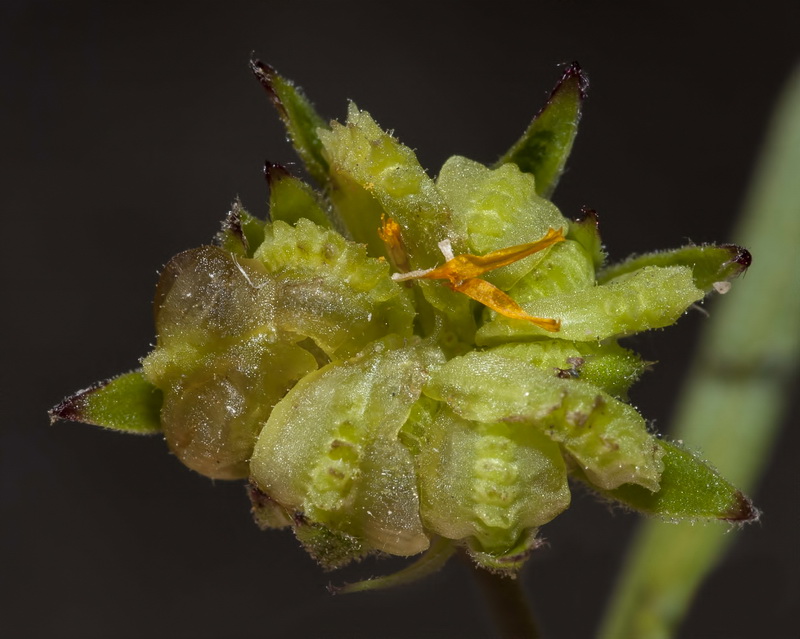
pixel 509 607
pixel 736 395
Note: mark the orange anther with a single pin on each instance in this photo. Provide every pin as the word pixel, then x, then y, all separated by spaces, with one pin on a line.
pixel 491 296
pixel 466 266
pixel 390 234
pixel 462 271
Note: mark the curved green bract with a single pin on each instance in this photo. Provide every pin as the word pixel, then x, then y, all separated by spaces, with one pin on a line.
pixel 546 144
pixel 291 199
pixel 129 403
pixel 301 120
pixel 689 490
pixel 429 562
pixel 709 263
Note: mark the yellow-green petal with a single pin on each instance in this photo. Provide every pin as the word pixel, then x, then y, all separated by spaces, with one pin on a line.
pixel 331 451
pixel 606 437
pixel 652 297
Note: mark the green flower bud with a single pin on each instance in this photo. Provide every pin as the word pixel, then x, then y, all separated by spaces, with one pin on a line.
pixel 405 365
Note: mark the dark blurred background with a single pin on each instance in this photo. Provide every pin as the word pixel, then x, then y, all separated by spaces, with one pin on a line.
pixel 127 130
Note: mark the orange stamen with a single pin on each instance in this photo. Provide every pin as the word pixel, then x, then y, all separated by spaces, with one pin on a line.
pixel 390 234
pixel 462 271
pixel 491 296
pixel 467 266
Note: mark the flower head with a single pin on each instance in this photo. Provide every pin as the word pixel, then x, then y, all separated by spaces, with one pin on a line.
pixel 403 364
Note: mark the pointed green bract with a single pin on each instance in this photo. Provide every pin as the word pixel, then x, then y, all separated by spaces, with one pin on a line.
pixel 129 403
pixel 586 231
pixel 546 144
pixel 241 232
pixel 710 263
pixel 299 117
pixel 689 490
pixel 291 199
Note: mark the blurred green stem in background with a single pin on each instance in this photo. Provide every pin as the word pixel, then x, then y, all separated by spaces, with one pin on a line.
pixel 736 393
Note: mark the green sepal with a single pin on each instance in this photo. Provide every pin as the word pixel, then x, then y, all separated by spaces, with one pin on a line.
pixel 710 263
pixel 690 490
pixel 428 563
pixel 586 231
pixel 546 144
pixel 299 117
pixel 241 232
pixel 360 213
pixel 127 403
pixel 291 199
pixel 509 562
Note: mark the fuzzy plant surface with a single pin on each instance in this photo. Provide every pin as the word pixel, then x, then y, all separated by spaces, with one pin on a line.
pixel 411 365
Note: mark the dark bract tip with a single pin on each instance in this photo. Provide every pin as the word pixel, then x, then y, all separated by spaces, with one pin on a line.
pixel 233 222
pixel 267 75
pixel 71 409
pixel 742 256
pixel 587 214
pixel 274 172
pixel 742 512
pixel 264 72
pixel 574 71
